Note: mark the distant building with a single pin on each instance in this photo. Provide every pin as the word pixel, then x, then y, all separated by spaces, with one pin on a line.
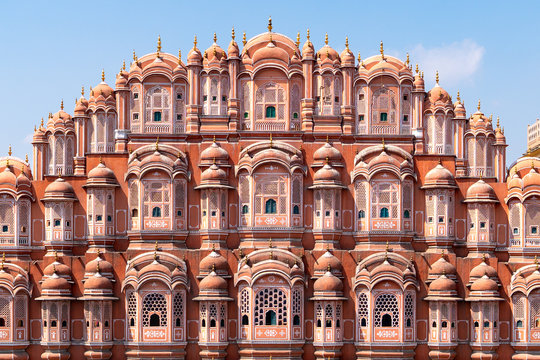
pixel 533 138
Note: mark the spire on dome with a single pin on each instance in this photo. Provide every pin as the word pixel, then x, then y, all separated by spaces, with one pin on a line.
pixel 179 56
pixel 326 39
pixel 244 41
pixel 298 39
pixel 103 75
pixel 215 38
pixel 123 65
pixel 416 69
pixel 458 97
pixel 62 104
pixel 9 150
pixel 308 36
pixel 478 107
pixel 437 77
pixel 270 24
pixel 232 34
pixel 26 158
pixel 381 49
pixel 195 43
pixel 407 61
pixel 347 43
pixel 157 144
pixel 158 45
pixel 82 91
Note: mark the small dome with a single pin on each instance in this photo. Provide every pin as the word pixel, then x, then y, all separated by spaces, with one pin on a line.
pixel 55 282
pixel 101 172
pixel 483 269
pixel 57 267
pixel 121 80
pixel 98 282
pixel 439 176
pixel 157 158
pixel 59 189
pixel 23 180
pixel 515 182
pixel 213 262
pixel 384 159
pixel 442 266
pixel 214 153
pixel 327 151
pixel 442 284
pixel 532 178
pixel 328 260
pixel 308 52
pixel 81 106
pixel 459 109
pixel 233 50
pixel 194 56
pixel 484 284
pixel 534 276
pixel 213 282
pixel 418 82
pixel 327 174
pixel 328 282
pixel 385 267
pixel 481 191
pixel 499 136
pixel 7 177
pixel 102 90
pixel 326 52
pixel 155 267
pixel 438 95
pixel 214 53
pixel 271 51
pixel 5 276
pixel 105 267
pixel 347 57
pixel 214 175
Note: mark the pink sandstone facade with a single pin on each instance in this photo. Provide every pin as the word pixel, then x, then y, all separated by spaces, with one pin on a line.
pixel 269 201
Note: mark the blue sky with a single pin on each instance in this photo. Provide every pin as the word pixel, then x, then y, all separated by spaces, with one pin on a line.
pixel 486 50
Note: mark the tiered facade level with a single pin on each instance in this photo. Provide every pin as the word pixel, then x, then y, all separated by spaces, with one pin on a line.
pixel 270 202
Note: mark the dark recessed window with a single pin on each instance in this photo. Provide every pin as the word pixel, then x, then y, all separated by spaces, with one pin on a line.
pixel 135 95
pixel 405 118
pixel 384 116
pixel 179 96
pixel 361 118
pixel 178 117
pixel 157 116
pixel 271 112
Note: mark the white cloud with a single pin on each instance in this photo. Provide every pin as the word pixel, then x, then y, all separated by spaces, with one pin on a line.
pixel 456 62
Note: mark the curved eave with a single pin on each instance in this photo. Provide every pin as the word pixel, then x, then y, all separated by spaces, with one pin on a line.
pixel 90 297
pixel 326 186
pixel 213 298
pixel 213 186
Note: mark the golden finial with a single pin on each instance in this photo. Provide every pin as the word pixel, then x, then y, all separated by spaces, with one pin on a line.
pixel 417 69
pixel 308 37
pixel 123 65
pixel 270 24
pixel 347 43
pixel 241 252
pixel 407 61
pixel 271 255
pixel 9 151
pixel 359 58
pixel 442 254
pixel 100 159
pixel 158 45
pixel 244 41
pixel 97 267
pixel 62 104
pixel 298 39
pixel 215 38
pixel 232 34
pixel 381 50
pixel 326 39
pixel 327 247
pixel 157 144
pixel 484 257
pixel 98 252
pixel 214 139
pixel 328 268
pixel 422 75
pixel 270 139
pixel 270 242
pixel 383 145
pixel 156 246
pixel 41 124
pixel 102 74
pixel 478 107
pixel 437 77
pixel 327 138
pixel 498 123
pixel 26 158
pixel 82 91
pixel 386 251
pixel 3 259
pixel 179 57
pixel 195 42
pixel 458 97
pixel 35 128
pixel 134 56
pixel 213 247
pixel 536 261
pixel 55 255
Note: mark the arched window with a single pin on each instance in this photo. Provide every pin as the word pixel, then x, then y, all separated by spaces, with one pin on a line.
pixel 157 116
pixel 361 214
pixel 519 324
pixel 245 209
pixel 270 112
pixel 212 323
pixel 157 104
pixel 154 320
pixel 2 322
pixel 154 311
pixel 296 320
pixel 156 212
pixel 386 320
pixel 384 213
pixel 245 320
pixel 406 214
pixel 296 210
pixel 270 206
pixel 384 199
pixel 270 317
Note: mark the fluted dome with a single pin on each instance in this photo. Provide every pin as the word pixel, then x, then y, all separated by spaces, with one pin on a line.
pixel 418 82
pixel 441 267
pixel 271 51
pixel 55 282
pixel 214 153
pixel 7 177
pixel 101 172
pixel 384 159
pixel 308 52
pixel 480 191
pixel 194 56
pixel 328 283
pixel 214 53
pixel 233 49
pixel 214 173
pixel 327 175
pixel 105 267
pixel 459 109
pixel 484 284
pixel 154 267
pixel 327 52
pixel 515 182
pixel 439 176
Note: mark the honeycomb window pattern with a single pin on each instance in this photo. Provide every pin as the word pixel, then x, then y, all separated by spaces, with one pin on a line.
pixel 132 308
pixel 386 304
pixel 363 308
pixel 178 307
pixel 409 308
pixel 271 299
pixel 154 303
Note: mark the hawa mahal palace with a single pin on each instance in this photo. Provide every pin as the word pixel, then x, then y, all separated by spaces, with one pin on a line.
pixel 271 201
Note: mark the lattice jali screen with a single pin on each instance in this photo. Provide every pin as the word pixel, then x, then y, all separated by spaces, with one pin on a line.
pixel 363 308
pixel 328 312
pixel 534 310
pixel 409 308
pixel 244 302
pixel 157 99
pixel 154 303
pixel 532 217
pixel 386 304
pixel 5 313
pixel 7 216
pixel 271 299
pixel 178 307
pixel 518 302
